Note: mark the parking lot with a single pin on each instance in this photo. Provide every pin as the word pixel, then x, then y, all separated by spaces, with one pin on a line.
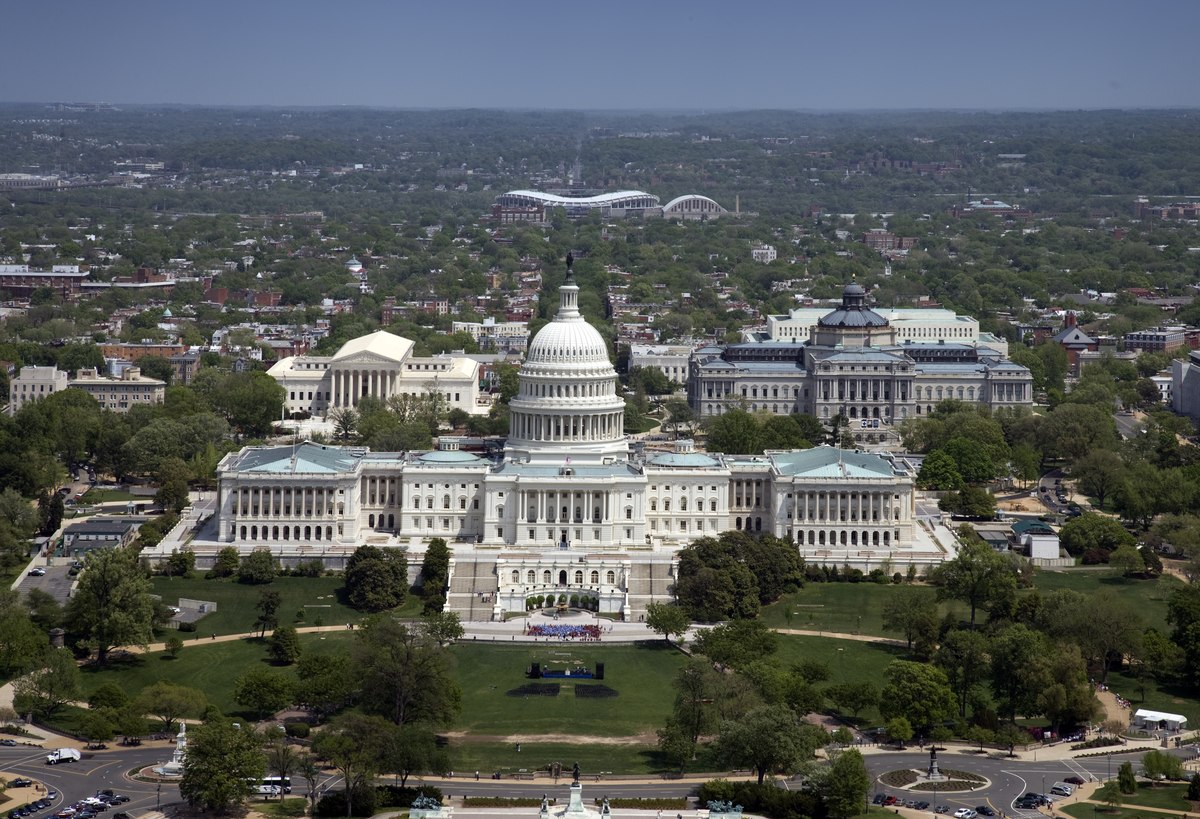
pixel 56 582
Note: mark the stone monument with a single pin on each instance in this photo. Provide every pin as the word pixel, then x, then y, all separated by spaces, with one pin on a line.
pixel 175 766
pixel 575 808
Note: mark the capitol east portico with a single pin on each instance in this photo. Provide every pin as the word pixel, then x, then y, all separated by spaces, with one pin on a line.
pixel 568 510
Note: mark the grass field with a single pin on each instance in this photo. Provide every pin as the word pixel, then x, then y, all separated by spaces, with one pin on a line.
pixel 641 675
pixel 319 598
pixel 211 667
pixel 1147 597
pixel 847 608
pixel 857 608
pixel 1167 797
pixel 110 495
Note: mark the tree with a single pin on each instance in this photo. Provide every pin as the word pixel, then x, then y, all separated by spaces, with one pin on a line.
pixel 44 691
pixel 667 619
pixel 735 432
pixel 282 759
pixel 1110 794
pixel 1127 560
pixel 1160 765
pixel 737 643
pixel 412 750
pixel 443 627
pixel 258 567
pixel 1193 789
pixel 223 764
pixel 435 574
pixel 847 785
pixel 899 730
pixel 678 414
pixel 376 579
pixel 174 645
pixel 181 563
pixel 263 691
pixel 169 702
pixel 354 744
pixel 918 692
pixel 1101 472
pixel 1010 736
pixel 972 502
pixel 98 725
pixel 268 611
pixel 1126 778
pixel 172 477
pixel 225 564
pixel 109 695
pixel 403 673
pixel 939 471
pixel 345 422
pixel 963 657
pixel 852 697
pixel 22 643
pixel 324 683
pixel 979 576
pixel 112 604
pixel 1092 531
pixel 768 739
pixel 1018 670
pixel 284 646
pixel 912 611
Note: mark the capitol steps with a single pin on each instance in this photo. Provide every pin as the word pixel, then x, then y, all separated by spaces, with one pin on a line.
pixel 470 579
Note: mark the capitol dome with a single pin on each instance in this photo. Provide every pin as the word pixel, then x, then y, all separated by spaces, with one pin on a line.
pixel 854 311
pixel 567 408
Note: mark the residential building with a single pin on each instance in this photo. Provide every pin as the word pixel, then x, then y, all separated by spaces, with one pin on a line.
pixel 1156 339
pixel 763 253
pixel 33 384
pixel 131 389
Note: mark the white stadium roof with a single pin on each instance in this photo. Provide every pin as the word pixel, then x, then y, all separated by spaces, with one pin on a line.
pixel 598 201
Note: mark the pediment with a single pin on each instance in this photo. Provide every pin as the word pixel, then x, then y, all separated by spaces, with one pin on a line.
pixel 364 359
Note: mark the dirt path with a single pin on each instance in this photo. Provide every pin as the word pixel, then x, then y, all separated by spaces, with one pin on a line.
pixel 1112 708
pixel 644 738
pixel 839 635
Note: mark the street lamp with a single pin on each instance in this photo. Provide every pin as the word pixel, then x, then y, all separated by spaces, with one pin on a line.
pixel 158 797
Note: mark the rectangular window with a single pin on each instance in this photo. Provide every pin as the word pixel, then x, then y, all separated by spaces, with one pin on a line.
pixel 499 532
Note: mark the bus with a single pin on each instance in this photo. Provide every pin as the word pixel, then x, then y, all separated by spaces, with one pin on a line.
pixel 273 785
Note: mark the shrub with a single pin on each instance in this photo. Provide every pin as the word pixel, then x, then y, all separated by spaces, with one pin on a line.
pixel 765 799
pixel 394 796
pixel 298 730
pixel 309 568
pixel 1094 557
pixel 334 803
pixel 574 601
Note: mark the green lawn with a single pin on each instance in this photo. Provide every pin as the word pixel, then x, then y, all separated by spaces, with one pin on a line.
pixel 848 661
pixel 1092 810
pixel 486 757
pixel 857 608
pixel 211 667
pixel 848 608
pixel 1147 597
pixel 110 495
pixel 319 598
pixel 1168 797
pixel 640 674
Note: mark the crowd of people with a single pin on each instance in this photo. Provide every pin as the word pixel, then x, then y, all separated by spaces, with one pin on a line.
pixel 584 632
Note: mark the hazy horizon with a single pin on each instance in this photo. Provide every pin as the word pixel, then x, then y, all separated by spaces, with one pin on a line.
pixel 618 56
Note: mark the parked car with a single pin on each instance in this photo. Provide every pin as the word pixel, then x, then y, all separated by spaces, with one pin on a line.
pixel 20 782
pixel 985 810
pixel 964 813
pixel 37 571
pixel 1060 790
pixel 8 743
pixel 1074 780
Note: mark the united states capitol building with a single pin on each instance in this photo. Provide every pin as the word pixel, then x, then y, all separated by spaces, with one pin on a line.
pixel 569 508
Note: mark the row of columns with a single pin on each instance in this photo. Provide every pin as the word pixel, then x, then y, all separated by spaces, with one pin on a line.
pixel 862 389
pixel 287 501
pixel 605 426
pixel 858 506
pixel 1009 391
pixel 748 494
pixel 377 491
pixel 351 385
pixel 546 506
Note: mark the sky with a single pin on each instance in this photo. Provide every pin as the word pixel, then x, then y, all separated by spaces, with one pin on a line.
pixel 613 54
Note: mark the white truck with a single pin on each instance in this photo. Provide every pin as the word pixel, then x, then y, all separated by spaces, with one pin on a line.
pixel 63 755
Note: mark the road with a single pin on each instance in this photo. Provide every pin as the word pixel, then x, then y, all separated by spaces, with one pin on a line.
pixel 1008 779
pixel 1129 426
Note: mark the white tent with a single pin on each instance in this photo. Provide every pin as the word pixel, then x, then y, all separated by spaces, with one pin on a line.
pixel 1158 720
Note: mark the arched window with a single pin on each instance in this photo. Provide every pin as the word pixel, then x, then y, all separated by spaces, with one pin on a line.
pixel 429 502
pixel 578 578
pixel 417 502
pixel 610 578
pixel 595 578
pixel 713 505
pixel 546 577
pixel 653 505
pixel 516 576
pixel 683 504
pixel 445 501
pixel 371 521
pixel 500 512
pixel 531 577
pixel 666 504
